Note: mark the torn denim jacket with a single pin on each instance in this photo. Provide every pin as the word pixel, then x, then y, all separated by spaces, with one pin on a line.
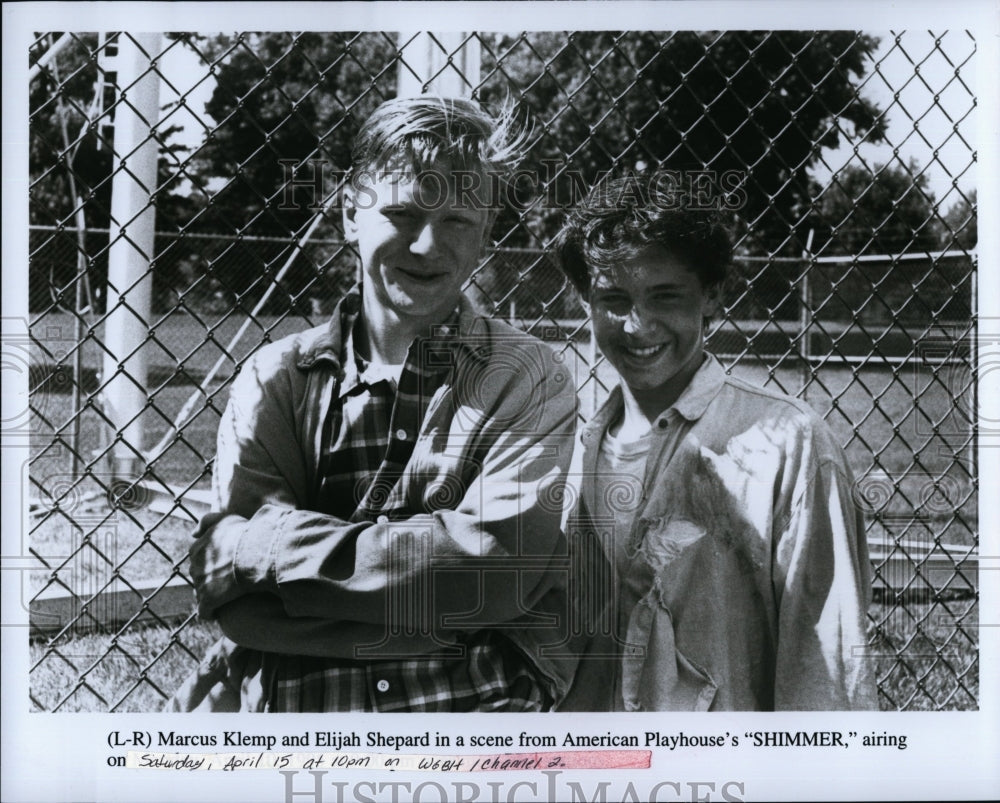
pixel 748 554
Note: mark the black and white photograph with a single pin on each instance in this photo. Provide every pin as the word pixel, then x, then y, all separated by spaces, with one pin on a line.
pixel 612 364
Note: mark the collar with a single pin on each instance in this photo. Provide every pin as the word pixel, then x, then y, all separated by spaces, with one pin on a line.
pixel 690 405
pixel 470 333
pixel 703 387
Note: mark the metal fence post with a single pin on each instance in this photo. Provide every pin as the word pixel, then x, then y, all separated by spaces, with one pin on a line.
pixel 805 317
pixel 130 281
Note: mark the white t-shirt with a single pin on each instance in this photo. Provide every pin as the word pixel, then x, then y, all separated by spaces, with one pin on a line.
pixel 618 491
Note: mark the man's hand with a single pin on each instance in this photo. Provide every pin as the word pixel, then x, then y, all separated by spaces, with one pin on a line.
pixel 213 562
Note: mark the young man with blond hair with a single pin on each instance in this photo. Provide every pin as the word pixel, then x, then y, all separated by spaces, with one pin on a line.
pixel 383 536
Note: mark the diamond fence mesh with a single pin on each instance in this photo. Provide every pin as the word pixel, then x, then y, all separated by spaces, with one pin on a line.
pixel 854 287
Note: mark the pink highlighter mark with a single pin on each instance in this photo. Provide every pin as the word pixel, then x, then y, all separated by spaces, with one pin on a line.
pixel 569 760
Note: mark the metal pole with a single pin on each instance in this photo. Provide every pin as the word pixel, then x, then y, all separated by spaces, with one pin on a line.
pixel 48 55
pixel 133 220
pixel 805 317
pixel 975 352
pixel 438 63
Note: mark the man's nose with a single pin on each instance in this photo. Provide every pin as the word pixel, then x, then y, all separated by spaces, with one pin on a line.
pixel 637 321
pixel 425 242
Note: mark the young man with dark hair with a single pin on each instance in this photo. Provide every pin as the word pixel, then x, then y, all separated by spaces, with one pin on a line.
pixel 383 538
pixel 741 560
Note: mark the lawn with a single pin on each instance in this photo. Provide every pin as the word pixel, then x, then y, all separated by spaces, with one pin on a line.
pixel 926 659
pixel 134 670
pixel 906 424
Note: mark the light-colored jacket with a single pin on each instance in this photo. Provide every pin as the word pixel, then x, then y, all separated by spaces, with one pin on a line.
pixel 483 487
pixel 750 554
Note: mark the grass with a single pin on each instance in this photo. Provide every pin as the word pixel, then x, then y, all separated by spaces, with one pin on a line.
pixel 884 416
pixel 926 659
pixel 926 655
pixel 88 549
pixel 136 670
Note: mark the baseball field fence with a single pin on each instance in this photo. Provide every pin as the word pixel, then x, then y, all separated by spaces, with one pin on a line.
pixel 184 210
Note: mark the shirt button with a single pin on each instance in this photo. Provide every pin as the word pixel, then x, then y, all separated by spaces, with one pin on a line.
pixel 382 520
pixel 382 685
pixel 401 434
pixel 662 423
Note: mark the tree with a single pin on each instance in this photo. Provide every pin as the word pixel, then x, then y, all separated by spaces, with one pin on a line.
pixel 285 101
pixel 763 104
pixel 961 223
pixel 885 210
pixel 71 163
pixel 890 211
pixel 286 108
pixel 68 158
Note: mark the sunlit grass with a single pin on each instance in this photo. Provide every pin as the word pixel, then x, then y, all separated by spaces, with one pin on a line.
pixel 135 670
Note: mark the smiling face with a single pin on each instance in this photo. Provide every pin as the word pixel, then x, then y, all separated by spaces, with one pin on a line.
pixel 417 244
pixel 648 317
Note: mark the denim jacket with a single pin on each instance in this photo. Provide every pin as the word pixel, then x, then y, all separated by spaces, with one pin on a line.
pixel 749 553
pixel 483 540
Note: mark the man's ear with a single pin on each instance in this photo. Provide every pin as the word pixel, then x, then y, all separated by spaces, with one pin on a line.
pixel 491 219
pixel 350 212
pixel 712 304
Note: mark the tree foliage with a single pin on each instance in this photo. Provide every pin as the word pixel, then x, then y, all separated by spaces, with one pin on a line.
pixel 71 167
pixel 889 209
pixel 961 223
pixel 284 101
pixel 760 103
pixel 757 103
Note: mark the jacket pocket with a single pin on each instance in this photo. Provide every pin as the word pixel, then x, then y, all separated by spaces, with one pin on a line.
pixel 655 676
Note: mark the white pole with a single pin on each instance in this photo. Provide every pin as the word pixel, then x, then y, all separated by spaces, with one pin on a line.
pixel 49 54
pixel 133 219
pixel 805 317
pixel 425 63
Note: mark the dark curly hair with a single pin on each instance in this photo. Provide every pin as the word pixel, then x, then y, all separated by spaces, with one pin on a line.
pixel 622 217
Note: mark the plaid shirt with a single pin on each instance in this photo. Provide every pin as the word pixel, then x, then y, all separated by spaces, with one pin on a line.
pixel 371 435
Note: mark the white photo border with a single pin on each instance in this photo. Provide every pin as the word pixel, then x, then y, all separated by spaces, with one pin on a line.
pixel 949 755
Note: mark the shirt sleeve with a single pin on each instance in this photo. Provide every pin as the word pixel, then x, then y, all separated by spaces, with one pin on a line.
pixel 324 569
pixel 823 580
pixel 260 622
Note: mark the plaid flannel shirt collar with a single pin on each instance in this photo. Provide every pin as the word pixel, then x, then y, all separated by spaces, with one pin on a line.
pixel 357 371
pixel 467 331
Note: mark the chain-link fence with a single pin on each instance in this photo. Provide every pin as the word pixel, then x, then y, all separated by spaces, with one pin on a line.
pixel 854 287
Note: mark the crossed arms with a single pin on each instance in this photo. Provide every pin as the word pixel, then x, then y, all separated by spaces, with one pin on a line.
pixel 281 577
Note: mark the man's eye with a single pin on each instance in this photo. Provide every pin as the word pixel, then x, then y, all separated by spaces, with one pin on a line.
pixel 460 220
pixel 615 304
pixel 398 213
